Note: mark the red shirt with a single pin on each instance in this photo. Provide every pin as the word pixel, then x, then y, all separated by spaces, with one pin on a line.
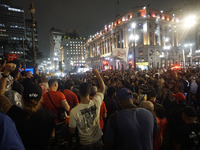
pixel 71 98
pixel 158 140
pixel 56 97
pixel 103 110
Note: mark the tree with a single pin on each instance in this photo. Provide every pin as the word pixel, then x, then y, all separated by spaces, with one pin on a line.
pixel 29 54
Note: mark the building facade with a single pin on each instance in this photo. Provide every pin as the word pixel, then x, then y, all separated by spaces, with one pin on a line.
pixel 149 34
pixel 28 33
pixel 55 45
pixel 74 53
pixel 12 30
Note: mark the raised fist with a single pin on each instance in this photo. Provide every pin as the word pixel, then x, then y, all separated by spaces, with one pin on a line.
pixel 10 67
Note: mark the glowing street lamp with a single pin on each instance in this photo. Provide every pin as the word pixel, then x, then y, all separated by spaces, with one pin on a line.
pixel 134 37
pixel 133 25
pixel 190 21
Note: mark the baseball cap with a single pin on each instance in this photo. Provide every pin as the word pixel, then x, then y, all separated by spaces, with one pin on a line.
pixel 124 93
pixel 179 96
pixel 32 91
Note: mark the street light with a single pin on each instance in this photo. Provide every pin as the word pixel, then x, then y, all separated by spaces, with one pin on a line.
pixel 32 12
pixel 190 53
pixel 133 25
pixel 190 21
pixel 134 38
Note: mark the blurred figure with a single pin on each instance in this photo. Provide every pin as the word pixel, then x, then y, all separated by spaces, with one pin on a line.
pixel 131 127
pixel 187 137
pixel 9 137
pixel 103 110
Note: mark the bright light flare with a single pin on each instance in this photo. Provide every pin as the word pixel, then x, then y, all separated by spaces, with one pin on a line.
pixel 190 21
pixel 134 37
pixel 133 25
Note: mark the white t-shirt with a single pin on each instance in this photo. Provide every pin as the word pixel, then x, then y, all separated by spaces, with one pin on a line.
pixel 86 118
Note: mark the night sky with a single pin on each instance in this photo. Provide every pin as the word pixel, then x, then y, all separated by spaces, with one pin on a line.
pixel 87 16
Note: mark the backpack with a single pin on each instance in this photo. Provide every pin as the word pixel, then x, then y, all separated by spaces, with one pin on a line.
pixel 61 113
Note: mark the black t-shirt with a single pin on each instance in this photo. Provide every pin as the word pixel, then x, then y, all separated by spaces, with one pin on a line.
pixel 188 136
pixel 34 130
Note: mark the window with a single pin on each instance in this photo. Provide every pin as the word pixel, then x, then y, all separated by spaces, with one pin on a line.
pixel 140 26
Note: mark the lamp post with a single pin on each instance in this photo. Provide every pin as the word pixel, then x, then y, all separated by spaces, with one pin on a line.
pixel 32 12
pixel 133 37
pixel 190 52
pixel 189 22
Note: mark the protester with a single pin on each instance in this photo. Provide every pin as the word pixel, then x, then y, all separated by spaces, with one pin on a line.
pixel 54 97
pixel 71 97
pixel 103 110
pixel 34 125
pixel 131 127
pixel 187 137
pixel 9 137
pixel 85 116
pixel 55 101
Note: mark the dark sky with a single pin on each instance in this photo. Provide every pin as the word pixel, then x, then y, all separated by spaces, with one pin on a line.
pixel 87 16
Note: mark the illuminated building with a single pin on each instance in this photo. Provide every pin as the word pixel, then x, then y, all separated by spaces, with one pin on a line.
pixel 156 41
pixel 28 32
pixel 11 30
pixel 55 45
pixel 74 53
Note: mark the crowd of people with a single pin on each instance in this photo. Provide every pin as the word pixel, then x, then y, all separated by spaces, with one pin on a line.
pixel 155 109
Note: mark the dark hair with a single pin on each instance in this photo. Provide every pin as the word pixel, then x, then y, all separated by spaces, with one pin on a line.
pixel 15 73
pixel 84 89
pixel 52 81
pixel 153 93
pixel 189 111
pixel 93 91
pixel 160 111
pixel 68 84
pixel 111 91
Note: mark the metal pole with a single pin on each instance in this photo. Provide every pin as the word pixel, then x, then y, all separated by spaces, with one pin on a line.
pixel 190 55
pixel 24 59
pixel 32 11
pixel 134 57
pixel 183 58
pixel 24 56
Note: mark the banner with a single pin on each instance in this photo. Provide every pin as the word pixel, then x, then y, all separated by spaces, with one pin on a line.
pixel 120 53
pixel 11 57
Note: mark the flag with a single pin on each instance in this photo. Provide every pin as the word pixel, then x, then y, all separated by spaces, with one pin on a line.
pixel 120 53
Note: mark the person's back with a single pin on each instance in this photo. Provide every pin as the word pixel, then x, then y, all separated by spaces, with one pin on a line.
pixel 34 131
pixel 9 137
pixel 187 137
pixel 54 99
pixel 136 129
pixel 85 116
pixel 130 128
pixel 71 97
